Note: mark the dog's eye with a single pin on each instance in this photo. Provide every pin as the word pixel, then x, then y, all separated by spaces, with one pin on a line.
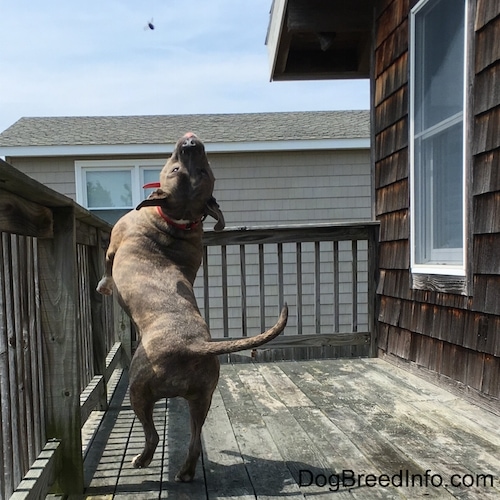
pixel 175 169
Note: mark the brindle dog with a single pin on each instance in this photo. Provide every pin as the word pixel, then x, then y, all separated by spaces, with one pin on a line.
pixel 152 261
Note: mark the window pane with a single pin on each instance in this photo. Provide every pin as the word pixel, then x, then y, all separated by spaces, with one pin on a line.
pixel 438 140
pixel 150 175
pixel 107 189
pixel 439 177
pixel 439 55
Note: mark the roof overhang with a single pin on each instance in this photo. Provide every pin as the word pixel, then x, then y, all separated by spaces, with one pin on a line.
pixel 320 39
pixel 162 149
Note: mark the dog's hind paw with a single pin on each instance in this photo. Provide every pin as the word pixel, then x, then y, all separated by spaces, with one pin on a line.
pixel 105 286
pixel 181 477
pixel 139 462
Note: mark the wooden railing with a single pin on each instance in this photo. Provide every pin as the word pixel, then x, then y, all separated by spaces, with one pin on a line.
pixel 59 339
pixel 326 273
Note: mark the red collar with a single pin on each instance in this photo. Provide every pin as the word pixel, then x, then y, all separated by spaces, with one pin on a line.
pixel 166 218
pixel 170 222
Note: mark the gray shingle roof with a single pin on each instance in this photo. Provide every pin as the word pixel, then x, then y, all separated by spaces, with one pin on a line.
pixel 166 129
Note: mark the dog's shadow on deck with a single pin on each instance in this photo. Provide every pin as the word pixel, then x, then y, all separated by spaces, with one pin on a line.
pixel 257 476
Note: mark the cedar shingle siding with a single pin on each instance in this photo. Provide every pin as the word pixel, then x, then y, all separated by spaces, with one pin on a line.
pixel 457 336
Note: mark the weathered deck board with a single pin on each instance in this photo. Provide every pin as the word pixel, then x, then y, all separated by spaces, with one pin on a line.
pixel 270 423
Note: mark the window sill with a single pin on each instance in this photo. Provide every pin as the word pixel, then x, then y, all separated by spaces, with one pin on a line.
pixel 439 283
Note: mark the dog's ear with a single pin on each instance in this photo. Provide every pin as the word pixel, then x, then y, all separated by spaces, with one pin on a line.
pixel 214 211
pixel 157 197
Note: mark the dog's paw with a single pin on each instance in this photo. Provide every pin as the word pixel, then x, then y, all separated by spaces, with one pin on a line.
pixel 105 286
pixel 184 477
pixel 139 462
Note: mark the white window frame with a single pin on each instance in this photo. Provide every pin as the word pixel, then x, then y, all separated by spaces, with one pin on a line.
pixel 136 167
pixel 448 269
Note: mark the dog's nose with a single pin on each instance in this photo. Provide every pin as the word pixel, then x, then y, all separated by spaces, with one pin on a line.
pixel 189 140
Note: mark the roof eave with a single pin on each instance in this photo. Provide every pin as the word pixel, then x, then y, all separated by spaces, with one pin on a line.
pixel 156 149
pixel 320 39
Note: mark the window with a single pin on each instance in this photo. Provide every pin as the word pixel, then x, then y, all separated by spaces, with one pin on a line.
pixel 111 188
pixel 437 136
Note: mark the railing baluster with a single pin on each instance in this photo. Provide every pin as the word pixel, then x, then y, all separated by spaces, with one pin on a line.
pixel 206 289
pixel 280 275
pixel 243 291
pixel 38 432
pixel 262 286
pixel 354 299
pixel 8 367
pixel 336 277
pixel 317 286
pixel 299 287
pixel 39 345
pixel 225 313
pixel 22 340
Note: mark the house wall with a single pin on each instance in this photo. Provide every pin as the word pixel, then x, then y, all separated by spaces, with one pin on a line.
pixel 58 173
pixel 263 188
pixel 454 336
pixel 300 187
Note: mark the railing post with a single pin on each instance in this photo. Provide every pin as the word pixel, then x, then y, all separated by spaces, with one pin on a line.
pixel 373 276
pixel 58 295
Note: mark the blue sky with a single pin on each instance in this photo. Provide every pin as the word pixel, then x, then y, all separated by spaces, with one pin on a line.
pixel 61 58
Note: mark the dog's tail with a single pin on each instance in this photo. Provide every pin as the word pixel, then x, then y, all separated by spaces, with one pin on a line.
pixel 228 346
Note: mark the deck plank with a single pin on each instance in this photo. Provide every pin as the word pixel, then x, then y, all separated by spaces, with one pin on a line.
pixel 269 422
pixel 265 466
pixel 350 410
pixel 226 473
pixel 142 483
pixel 174 453
pixel 467 436
pixel 297 449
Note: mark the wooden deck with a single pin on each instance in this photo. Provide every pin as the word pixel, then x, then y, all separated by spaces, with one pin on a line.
pixel 287 430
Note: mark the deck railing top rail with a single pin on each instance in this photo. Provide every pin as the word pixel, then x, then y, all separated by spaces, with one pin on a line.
pixel 17 183
pixel 335 231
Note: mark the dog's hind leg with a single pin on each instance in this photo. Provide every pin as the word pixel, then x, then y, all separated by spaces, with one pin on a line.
pixel 198 409
pixel 144 411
